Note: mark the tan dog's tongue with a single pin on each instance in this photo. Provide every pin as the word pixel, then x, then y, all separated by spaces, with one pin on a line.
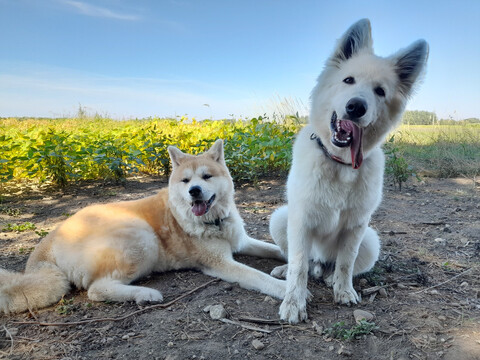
pixel 356 149
pixel 199 209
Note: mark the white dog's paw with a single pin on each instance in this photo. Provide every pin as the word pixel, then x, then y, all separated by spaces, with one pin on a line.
pixel 345 295
pixel 148 296
pixel 293 310
pixel 280 272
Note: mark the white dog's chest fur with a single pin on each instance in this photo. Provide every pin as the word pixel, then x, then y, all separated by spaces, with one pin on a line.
pixel 332 196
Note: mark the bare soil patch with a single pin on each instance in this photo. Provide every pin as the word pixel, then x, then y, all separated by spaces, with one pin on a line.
pixel 429 270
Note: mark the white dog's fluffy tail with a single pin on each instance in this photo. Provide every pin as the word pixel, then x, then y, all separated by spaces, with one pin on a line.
pixel 278 228
pixel 35 289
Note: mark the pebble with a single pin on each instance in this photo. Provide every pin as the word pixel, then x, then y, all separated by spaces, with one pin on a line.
pixel 206 309
pixel 270 300
pixel 363 282
pixel 440 241
pixel 331 348
pixel 441 317
pixel 382 293
pixel 170 344
pixel 317 328
pixel 257 344
pixel 217 312
pixel 362 315
pixel 464 284
pixel 344 352
pixel 12 331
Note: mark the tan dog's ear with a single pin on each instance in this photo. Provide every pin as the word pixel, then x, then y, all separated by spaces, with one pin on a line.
pixel 216 152
pixel 176 155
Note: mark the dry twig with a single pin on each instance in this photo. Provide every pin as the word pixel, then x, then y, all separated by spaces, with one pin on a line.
pixel 157 306
pixel 246 326
pixel 444 282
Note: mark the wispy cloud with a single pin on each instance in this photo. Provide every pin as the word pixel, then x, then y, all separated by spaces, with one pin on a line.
pixel 27 90
pixel 97 11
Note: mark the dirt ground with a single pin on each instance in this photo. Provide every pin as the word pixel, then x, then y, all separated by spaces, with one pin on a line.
pixel 429 270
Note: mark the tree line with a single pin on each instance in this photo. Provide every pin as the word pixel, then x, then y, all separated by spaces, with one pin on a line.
pixel 419 117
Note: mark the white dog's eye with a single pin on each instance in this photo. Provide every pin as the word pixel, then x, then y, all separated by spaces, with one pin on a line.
pixel 379 91
pixel 349 80
pixel 206 176
pixel 185 180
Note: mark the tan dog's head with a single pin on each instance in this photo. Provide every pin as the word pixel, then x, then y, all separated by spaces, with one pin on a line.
pixel 200 185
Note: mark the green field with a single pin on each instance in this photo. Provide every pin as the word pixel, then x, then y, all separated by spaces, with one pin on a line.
pixel 441 150
pixel 66 150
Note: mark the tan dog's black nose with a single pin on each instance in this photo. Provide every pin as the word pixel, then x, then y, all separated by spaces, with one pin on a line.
pixel 195 191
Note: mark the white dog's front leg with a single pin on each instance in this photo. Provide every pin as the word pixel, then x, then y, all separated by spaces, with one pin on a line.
pixel 343 290
pixel 294 306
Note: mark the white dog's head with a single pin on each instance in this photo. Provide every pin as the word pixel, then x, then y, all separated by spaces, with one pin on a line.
pixel 359 96
pixel 200 185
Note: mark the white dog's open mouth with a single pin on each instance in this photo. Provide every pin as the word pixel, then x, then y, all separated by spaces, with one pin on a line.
pixel 201 207
pixel 347 133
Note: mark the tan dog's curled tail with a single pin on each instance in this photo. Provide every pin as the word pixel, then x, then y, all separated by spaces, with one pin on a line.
pixel 35 289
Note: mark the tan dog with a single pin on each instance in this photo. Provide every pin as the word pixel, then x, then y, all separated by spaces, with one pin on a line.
pixel 103 248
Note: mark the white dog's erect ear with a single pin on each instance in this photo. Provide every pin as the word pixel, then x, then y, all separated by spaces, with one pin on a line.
pixel 216 151
pixel 410 63
pixel 176 155
pixel 357 37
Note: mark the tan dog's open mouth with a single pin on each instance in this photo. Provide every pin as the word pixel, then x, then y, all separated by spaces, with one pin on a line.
pixel 201 207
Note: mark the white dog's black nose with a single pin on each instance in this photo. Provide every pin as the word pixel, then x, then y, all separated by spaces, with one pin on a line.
pixel 195 191
pixel 356 108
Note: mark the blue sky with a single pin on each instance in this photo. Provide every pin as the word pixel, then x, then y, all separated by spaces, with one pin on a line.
pixel 215 59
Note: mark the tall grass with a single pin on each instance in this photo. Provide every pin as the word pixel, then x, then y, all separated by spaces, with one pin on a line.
pixel 441 150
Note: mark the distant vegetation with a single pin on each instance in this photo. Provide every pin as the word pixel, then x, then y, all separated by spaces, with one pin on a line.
pixel 417 117
pixel 61 151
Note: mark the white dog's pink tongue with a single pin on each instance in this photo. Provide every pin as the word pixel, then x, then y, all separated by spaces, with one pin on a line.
pixel 199 208
pixel 356 150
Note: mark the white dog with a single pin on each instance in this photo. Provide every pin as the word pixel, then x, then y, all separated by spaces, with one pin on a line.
pixel 335 183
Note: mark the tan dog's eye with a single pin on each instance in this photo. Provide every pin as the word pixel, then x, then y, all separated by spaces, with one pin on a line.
pixel 185 180
pixel 206 176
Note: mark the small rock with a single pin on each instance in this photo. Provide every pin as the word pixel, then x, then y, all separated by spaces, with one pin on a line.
pixel 447 229
pixel 317 328
pixel 125 337
pixel 441 317
pixel 440 241
pixel 434 292
pixel 464 284
pixel 206 309
pixel 257 334
pixel 170 344
pixel 270 300
pixel 13 332
pixel 258 345
pixel 217 312
pixel 344 352
pixel 382 293
pixel 363 282
pixel 228 287
pixel 362 315
pixel 331 348
pixel 238 302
